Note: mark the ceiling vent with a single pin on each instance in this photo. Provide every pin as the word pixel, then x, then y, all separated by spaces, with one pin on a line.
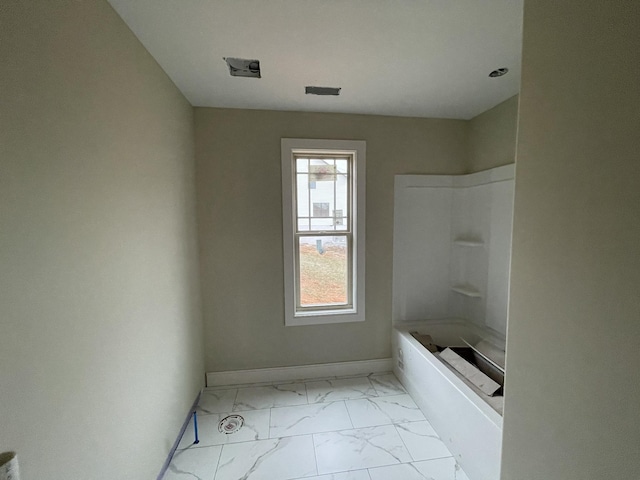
pixel 241 67
pixel 322 90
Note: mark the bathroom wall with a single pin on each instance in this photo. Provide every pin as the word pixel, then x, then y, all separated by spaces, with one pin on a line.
pixel 240 224
pixel 492 136
pixel 100 345
pixel 572 385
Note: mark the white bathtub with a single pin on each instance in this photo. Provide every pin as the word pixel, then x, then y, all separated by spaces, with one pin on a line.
pixel 469 426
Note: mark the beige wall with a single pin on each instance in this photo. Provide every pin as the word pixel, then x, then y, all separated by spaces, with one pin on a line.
pixel 100 355
pixel 492 136
pixel 240 221
pixel 573 381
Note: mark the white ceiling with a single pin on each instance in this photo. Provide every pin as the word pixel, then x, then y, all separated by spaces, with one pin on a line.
pixel 420 58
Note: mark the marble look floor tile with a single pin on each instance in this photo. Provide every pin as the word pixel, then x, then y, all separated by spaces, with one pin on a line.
pixel 339 389
pixel 353 475
pixel 358 449
pixel 278 458
pixel 258 398
pixel 216 401
pixel 369 412
pixel 255 427
pixel 422 441
pixel 194 463
pixel 386 384
pixel 406 471
pixel 305 419
pixel 440 469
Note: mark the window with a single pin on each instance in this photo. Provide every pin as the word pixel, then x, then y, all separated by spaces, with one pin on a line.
pixel 338 219
pixel 320 209
pixel 323 186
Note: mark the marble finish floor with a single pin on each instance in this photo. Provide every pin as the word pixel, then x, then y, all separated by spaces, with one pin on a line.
pixel 355 428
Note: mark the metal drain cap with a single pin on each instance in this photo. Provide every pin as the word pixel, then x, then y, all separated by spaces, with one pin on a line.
pixel 230 424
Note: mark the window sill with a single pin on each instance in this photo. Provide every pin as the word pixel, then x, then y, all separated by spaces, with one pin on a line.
pixel 323 319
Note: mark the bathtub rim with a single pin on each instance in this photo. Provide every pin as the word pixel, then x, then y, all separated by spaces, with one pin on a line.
pixel 473 398
pixel 487 333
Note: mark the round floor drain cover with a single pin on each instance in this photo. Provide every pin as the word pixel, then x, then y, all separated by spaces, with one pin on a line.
pixel 230 424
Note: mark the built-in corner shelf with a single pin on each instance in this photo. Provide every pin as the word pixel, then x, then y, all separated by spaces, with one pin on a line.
pixel 467 290
pixel 468 242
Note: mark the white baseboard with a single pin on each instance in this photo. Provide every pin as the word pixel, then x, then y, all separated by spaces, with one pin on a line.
pixel 302 372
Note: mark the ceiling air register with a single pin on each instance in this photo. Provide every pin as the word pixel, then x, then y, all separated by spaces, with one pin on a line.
pixel 322 90
pixel 241 67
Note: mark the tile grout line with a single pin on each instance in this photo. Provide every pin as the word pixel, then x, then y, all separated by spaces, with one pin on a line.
pixel 264 440
pixel 348 413
pixel 404 443
pixel 365 470
pixel 428 459
pixel 437 458
pixel 215 472
pixel 235 399
pixel 315 454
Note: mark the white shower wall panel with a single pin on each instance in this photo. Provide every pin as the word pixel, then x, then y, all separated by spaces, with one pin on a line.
pixel 453 233
pixel 499 264
pixel 470 220
pixel 423 220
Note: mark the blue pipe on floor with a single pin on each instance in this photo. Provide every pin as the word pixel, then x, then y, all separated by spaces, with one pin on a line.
pixel 195 427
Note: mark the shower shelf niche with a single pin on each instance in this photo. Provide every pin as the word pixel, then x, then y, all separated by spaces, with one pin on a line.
pixel 467 291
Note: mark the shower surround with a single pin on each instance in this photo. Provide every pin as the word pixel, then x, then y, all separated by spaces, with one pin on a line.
pixel 452 244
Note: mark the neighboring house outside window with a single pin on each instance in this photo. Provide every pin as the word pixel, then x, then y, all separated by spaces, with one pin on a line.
pixel 323 227
pixel 321 209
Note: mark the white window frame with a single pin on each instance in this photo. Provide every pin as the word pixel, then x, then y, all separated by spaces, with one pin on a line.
pixel 357 148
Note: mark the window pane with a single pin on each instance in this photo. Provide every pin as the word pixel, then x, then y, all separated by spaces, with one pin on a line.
pixel 322 224
pixel 303 225
pixel 323 270
pixel 338 216
pixel 342 165
pixel 320 209
pixel 342 195
pixel 323 197
pixel 302 165
pixel 322 205
pixel 341 223
pixel 303 195
pixel 323 170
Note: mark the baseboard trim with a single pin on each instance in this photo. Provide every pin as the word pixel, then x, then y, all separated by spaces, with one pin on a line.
pixel 167 462
pixel 302 372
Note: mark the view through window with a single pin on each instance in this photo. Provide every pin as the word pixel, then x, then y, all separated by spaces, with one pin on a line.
pixel 323 239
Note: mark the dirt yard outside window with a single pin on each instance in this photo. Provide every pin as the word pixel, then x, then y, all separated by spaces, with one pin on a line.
pixel 323 276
